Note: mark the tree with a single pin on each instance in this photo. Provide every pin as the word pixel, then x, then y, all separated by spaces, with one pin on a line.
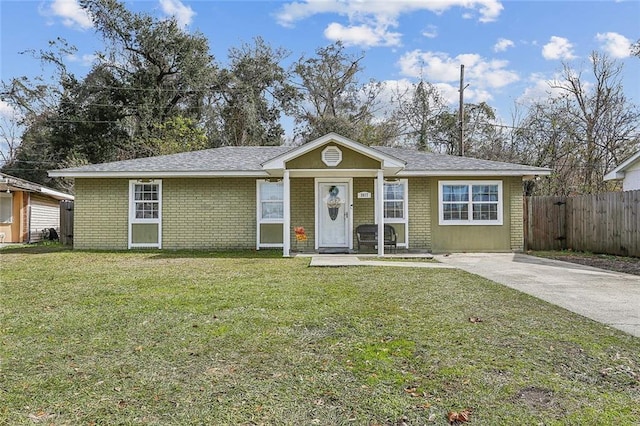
pixel 418 111
pixel 160 71
pixel 253 93
pixel 332 97
pixel 602 122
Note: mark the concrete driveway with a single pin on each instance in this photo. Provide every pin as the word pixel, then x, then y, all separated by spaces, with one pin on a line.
pixel 611 298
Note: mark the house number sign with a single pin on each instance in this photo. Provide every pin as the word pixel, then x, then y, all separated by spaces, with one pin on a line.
pixel 364 194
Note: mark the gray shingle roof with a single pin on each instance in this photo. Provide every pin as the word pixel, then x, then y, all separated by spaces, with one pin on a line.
pixel 242 158
pixel 247 159
pixel 428 161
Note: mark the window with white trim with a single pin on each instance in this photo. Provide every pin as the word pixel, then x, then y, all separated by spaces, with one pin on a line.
pixel 395 200
pixel 395 207
pixel 6 208
pixel 271 201
pixel 145 213
pixel 470 202
pixel 270 213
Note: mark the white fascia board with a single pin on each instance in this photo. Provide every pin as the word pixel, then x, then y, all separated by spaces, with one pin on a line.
pixel 614 175
pixel 618 172
pixel 386 160
pixel 56 194
pixel 158 174
pixel 466 173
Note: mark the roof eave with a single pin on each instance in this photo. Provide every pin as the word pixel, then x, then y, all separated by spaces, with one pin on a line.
pixel 526 174
pixel 157 174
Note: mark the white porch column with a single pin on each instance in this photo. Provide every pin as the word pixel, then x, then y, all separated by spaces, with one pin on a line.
pixel 380 211
pixel 286 226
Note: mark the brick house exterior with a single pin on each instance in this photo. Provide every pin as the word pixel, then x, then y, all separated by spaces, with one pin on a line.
pixel 254 197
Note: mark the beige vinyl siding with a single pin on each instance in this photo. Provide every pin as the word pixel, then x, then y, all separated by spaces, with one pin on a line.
pixel 45 214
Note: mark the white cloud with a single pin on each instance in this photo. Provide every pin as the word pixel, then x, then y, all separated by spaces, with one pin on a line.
pixel 7 111
pixel 86 60
pixel 541 88
pixel 616 45
pixel 71 13
pixel 558 48
pixel 378 16
pixel 183 14
pixel 483 75
pixel 362 35
pixel 503 44
pixel 430 32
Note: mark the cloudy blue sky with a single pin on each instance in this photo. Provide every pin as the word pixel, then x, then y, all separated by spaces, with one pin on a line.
pixel 511 49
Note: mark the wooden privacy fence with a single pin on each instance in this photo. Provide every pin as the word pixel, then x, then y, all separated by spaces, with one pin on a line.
pixel 66 222
pixel 600 223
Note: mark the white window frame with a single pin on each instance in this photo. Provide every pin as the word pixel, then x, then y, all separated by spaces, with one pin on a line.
pixel 260 220
pixel 7 198
pixel 470 202
pixel 132 212
pixel 405 207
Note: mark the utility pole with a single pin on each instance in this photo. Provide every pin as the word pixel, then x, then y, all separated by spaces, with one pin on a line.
pixel 461 112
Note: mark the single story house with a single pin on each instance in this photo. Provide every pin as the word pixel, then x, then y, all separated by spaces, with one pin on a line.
pixel 628 172
pixel 262 197
pixel 27 209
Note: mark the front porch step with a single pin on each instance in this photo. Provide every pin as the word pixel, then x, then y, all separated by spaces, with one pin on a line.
pixel 335 250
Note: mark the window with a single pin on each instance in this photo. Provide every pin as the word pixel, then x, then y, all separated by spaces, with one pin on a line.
pixel 270 214
pixel 395 207
pixel 145 213
pixel 394 200
pixel 146 200
pixel 6 208
pixel 470 203
pixel 271 200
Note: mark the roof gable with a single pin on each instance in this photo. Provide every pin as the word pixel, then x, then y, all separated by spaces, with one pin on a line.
pixel 628 164
pixel 388 162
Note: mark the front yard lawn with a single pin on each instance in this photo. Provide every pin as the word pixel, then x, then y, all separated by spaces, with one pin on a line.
pixel 97 338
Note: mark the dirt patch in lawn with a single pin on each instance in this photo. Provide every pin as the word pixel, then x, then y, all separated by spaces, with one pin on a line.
pixel 628 265
pixel 536 399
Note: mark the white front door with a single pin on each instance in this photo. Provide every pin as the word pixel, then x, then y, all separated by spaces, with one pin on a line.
pixel 333 203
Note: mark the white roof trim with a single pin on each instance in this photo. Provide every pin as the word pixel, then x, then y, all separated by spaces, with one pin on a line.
pixel 430 173
pixel 387 161
pixel 56 194
pixel 618 172
pixel 158 174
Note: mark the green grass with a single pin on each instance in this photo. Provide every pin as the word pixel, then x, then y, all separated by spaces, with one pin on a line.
pixel 155 338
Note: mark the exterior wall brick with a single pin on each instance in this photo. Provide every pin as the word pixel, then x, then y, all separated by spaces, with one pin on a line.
pixel 420 213
pixel 221 213
pixel 303 211
pixel 517 218
pixel 101 214
pixel 363 208
pixel 214 214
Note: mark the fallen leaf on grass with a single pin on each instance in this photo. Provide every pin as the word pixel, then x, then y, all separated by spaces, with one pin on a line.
pixel 455 418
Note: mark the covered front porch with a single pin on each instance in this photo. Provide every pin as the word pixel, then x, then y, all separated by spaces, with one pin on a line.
pixel 319 193
pixel 322 214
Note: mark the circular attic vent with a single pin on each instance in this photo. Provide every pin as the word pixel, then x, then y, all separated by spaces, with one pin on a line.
pixel 331 156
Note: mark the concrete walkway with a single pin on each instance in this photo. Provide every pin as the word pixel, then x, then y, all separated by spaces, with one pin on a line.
pixel 611 298
pixel 336 260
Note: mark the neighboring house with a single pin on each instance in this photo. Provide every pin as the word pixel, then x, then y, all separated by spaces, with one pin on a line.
pixel 628 172
pixel 27 209
pixel 254 197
